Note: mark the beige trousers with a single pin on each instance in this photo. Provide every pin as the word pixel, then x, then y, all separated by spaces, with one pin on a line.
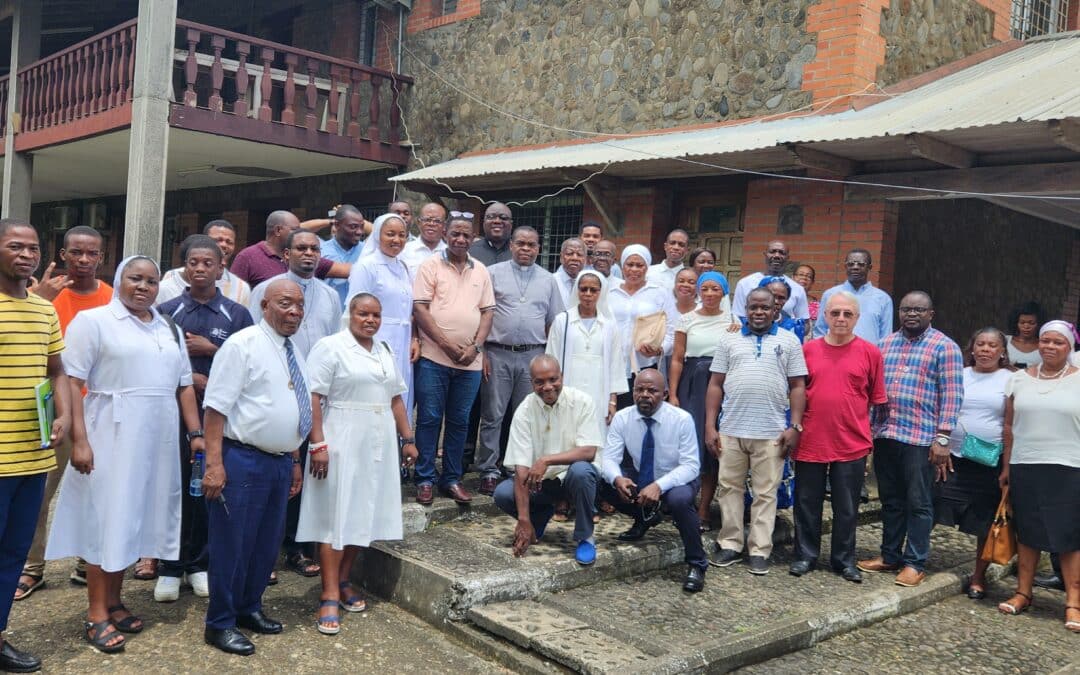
pixel 35 559
pixel 764 459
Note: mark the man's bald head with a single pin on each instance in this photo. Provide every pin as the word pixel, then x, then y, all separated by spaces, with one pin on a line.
pixel 283 306
pixel 546 376
pixel 278 226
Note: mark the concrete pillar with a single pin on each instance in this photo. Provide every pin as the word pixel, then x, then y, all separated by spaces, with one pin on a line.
pixel 149 149
pixel 19 167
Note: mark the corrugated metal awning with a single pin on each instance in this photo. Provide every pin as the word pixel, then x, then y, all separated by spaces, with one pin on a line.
pixel 1000 105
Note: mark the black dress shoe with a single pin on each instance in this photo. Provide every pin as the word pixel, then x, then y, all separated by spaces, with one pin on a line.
pixel 229 640
pixel 695 580
pixel 636 531
pixel 260 623
pixel 14 661
pixel 801 567
pixel 1051 582
pixel 851 574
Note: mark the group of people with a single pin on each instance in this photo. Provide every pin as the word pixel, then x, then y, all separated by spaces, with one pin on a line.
pixel 608 385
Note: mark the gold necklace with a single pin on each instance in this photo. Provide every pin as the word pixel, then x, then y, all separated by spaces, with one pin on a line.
pixel 1055 378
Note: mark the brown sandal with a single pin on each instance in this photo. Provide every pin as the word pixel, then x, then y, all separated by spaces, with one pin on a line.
pixel 23 589
pixel 146 569
pixel 1014 608
pixel 1072 625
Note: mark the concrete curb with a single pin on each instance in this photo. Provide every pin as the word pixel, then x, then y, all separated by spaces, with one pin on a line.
pixel 785 637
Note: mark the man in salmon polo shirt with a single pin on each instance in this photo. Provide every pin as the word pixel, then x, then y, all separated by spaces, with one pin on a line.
pixel 845 377
pixel 454 303
pixel 77 289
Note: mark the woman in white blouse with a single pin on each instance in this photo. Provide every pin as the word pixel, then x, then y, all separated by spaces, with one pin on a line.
pixel 637 297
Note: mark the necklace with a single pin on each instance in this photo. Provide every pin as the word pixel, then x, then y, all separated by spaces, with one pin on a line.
pixel 1055 378
pixel 522 287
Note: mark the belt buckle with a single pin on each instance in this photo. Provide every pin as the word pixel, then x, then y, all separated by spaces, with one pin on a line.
pixel 518 348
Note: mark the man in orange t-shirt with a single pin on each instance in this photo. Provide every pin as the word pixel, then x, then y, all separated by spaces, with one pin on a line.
pixel 76 290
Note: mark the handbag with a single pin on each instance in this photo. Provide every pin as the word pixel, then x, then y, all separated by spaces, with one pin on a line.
pixel 1000 544
pixel 785 490
pixel 979 451
pixel 649 329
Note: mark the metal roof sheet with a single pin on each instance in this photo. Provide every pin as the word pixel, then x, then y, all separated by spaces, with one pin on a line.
pixel 1039 81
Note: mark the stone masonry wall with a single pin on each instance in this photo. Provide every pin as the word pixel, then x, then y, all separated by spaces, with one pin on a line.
pixel 604 65
pixel 921 35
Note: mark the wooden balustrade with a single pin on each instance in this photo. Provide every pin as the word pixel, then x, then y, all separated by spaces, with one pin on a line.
pixel 86 78
pixel 245 76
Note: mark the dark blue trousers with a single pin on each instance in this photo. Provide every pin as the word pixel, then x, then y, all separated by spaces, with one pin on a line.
pixel 20 499
pixel 245 532
pixel 578 487
pixel 905 483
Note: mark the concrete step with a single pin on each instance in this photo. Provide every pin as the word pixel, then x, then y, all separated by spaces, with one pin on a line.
pixel 647 624
pixel 456 557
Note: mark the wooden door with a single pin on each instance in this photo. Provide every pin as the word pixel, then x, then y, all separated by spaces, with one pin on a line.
pixel 716 223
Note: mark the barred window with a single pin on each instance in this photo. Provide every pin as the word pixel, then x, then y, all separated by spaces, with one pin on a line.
pixel 449 7
pixel 556 219
pixel 1032 18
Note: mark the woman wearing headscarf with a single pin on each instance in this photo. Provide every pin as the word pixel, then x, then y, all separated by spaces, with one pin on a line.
pixel 696 336
pixel 1042 467
pixel 350 495
pixel 637 297
pixel 120 498
pixel 383 274
pixel 781 291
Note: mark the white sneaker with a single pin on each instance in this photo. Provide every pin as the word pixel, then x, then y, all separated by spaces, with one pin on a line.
pixel 200 584
pixel 167 589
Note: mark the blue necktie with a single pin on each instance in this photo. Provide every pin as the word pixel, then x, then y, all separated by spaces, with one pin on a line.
pixel 646 471
pixel 303 398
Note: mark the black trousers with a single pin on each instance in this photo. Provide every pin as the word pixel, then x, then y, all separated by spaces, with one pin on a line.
pixel 292 518
pixel 847 482
pixel 194 547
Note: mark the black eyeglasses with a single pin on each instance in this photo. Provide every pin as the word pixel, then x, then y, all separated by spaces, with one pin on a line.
pixel 461 214
pixel 914 310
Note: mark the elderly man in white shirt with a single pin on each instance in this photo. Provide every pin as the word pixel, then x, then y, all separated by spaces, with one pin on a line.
pixel 662 444
pixel 571 261
pixel 258 412
pixel 552 447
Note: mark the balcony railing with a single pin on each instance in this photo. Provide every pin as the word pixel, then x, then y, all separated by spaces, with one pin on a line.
pixel 254 89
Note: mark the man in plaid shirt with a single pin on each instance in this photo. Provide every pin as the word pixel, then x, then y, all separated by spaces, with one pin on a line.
pixel 924 382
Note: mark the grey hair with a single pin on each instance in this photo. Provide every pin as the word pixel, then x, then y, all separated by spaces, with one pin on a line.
pixel 846 295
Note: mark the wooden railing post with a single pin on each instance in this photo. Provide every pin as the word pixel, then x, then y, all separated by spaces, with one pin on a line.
pixel 103 84
pixel 311 95
pixel 122 95
pixel 240 107
pixel 354 103
pixel 373 109
pixel 191 69
pixel 131 63
pixel 266 84
pixel 332 102
pixel 395 112
pixel 217 75
pixel 288 115
pixel 85 78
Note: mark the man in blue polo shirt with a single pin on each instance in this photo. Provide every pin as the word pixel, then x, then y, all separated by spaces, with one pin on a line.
pixel 757 374
pixel 207 318
pixel 875 305
pixel 344 244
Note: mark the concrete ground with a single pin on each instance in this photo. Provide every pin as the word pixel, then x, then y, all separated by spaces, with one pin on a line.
pixel 382 639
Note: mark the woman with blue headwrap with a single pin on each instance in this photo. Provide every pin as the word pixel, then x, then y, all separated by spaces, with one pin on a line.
pixel 382 273
pixel 781 291
pixel 696 336
pixel 120 497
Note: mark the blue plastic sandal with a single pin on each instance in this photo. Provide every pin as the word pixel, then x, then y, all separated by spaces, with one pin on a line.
pixel 323 622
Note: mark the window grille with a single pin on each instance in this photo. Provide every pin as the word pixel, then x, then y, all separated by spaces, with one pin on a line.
pixel 556 219
pixel 449 7
pixel 1032 18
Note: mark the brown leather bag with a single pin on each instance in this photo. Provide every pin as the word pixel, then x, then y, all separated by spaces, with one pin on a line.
pixel 1000 544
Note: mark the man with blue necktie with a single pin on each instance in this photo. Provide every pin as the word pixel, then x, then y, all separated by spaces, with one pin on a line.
pixel 258 412
pixel 662 443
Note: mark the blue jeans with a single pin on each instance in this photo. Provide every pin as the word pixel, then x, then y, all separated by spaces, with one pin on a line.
pixel 20 499
pixel 905 483
pixel 442 390
pixel 245 532
pixel 578 487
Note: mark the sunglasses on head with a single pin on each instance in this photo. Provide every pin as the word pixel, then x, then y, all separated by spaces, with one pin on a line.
pixel 462 214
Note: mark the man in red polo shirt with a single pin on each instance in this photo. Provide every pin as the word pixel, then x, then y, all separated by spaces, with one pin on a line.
pixel 258 262
pixel 846 376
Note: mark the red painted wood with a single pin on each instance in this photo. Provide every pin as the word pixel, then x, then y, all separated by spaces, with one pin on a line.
pixel 354 104
pixel 266 84
pixel 240 107
pixel 113 51
pixel 103 81
pixel 395 111
pixel 191 69
pixel 217 74
pixel 332 103
pixel 124 56
pixel 84 81
pixel 311 96
pixel 373 109
pixel 288 115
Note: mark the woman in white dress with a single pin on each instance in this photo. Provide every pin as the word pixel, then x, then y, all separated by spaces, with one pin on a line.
pixel 352 495
pixel 383 274
pixel 636 297
pixel 120 496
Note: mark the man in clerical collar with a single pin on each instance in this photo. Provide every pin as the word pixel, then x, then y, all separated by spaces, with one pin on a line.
pixel 494 246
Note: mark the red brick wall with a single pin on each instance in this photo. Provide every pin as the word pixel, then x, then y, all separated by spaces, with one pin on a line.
pixel 646 216
pixel 830 229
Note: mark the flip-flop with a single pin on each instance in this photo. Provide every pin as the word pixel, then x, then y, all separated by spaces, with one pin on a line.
pixel 1013 608
pixel 352 603
pixel 1071 625
pixel 128 623
pixel 146 569
pixel 100 638
pixel 301 564
pixel 322 621
pixel 26 589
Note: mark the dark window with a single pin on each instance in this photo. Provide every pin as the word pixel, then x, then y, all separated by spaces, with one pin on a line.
pixel 449 7
pixel 556 219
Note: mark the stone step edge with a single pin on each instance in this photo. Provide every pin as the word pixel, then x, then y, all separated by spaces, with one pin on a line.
pixel 785 637
pixel 505 652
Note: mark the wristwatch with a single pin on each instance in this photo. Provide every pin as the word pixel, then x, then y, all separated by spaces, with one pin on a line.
pixel 478 348
pixel 797 427
pixel 943 441
pixel 192 435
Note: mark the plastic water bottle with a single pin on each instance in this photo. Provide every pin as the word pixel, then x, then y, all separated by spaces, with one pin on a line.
pixel 195 486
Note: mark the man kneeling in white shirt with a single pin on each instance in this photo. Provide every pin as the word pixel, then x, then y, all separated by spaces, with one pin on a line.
pixel 553 442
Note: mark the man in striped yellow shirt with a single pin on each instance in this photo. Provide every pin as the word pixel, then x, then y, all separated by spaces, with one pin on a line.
pixel 30 346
